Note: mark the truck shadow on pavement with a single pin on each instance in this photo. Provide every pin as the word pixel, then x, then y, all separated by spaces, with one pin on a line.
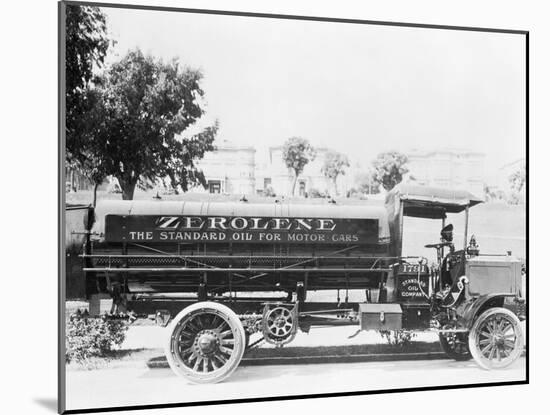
pixel 48 403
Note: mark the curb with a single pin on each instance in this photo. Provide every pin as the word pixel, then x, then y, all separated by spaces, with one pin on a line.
pixel 161 362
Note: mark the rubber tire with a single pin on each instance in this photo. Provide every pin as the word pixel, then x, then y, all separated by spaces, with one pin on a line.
pixel 226 370
pixel 482 361
pixel 450 352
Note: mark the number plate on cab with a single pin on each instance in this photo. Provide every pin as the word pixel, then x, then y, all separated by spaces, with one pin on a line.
pixel 412 269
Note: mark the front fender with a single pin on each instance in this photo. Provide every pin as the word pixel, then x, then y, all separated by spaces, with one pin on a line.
pixel 470 309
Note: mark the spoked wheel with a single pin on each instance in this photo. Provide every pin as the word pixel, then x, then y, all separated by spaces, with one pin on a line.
pixel 206 343
pixel 496 338
pixel 279 322
pixel 279 325
pixel 455 345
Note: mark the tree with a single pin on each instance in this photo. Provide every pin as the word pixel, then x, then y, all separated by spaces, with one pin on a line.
pixel 297 153
pixel 91 161
pixel 143 107
pixel 517 179
pixel 389 168
pixel 335 165
pixel 85 49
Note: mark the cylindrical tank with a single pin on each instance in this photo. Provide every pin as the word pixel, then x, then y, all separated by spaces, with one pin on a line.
pixel 169 246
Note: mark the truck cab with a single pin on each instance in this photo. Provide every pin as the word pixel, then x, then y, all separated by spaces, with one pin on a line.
pixel 476 299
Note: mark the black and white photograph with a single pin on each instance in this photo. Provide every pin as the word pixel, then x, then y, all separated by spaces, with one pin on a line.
pixel 263 206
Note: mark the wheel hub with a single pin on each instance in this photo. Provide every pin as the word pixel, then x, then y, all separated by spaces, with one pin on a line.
pixel 498 340
pixel 206 342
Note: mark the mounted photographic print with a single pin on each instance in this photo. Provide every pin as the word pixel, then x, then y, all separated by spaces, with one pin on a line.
pixel 277 207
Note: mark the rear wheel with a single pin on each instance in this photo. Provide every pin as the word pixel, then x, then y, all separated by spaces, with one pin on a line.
pixel 496 338
pixel 206 343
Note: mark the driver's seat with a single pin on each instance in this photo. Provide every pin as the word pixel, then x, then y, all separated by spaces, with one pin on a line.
pixel 445 262
pixel 452 268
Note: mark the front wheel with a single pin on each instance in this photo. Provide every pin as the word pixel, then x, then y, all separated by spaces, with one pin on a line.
pixel 206 342
pixel 496 338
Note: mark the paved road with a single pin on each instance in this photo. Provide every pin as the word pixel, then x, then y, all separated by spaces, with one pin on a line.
pixel 153 337
pixel 142 386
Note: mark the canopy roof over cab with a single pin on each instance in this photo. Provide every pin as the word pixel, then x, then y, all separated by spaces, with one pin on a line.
pixel 430 202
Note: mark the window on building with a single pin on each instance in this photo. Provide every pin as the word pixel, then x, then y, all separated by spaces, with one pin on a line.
pixel 267 182
pixel 215 186
pixel 302 190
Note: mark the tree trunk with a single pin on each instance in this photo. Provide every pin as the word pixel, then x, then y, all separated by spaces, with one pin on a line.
pixel 128 192
pixel 127 187
pixel 96 185
pixel 73 186
pixel 335 186
pixel 294 183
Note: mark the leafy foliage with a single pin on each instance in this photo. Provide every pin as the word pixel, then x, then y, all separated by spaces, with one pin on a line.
pixel 492 194
pixel 88 337
pixel 399 338
pixel 297 153
pixel 517 179
pixel 315 193
pixel 141 106
pixel 389 168
pixel 269 192
pixel 335 165
pixel 515 198
pixel 86 47
pixel 90 158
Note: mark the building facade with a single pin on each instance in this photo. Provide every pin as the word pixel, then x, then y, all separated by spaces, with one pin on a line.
pixel 274 176
pixel 229 169
pixel 450 168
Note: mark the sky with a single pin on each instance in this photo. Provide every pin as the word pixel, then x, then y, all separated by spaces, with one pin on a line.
pixel 359 89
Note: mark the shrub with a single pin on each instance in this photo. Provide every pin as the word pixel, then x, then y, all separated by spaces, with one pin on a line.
pixel 354 193
pixel 114 187
pixel 315 193
pixel 515 199
pixel 399 338
pixel 89 337
pixel 269 192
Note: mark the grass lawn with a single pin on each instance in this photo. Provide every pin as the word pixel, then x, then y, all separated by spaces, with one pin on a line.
pixel 125 358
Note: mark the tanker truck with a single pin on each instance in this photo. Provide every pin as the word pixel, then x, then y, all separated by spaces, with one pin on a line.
pixel 220 273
